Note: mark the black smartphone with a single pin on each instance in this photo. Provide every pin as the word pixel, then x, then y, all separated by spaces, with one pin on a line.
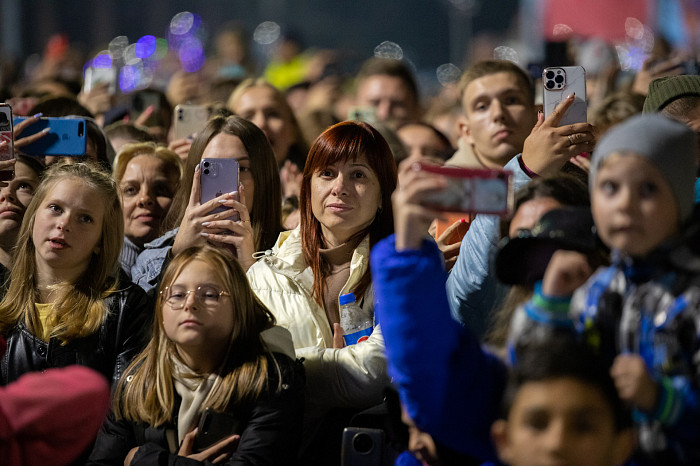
pixel 362 447
pixel 140 101
pixel 214 427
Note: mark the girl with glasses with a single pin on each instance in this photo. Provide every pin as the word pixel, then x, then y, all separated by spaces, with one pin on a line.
pixel 211 385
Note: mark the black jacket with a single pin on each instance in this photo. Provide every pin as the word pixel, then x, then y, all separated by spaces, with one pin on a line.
pixel 271 428
pixel 108 351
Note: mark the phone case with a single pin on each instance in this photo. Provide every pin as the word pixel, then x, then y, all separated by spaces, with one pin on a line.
pixel 559 82
pixel 140 101
pixel 66 137
pixel 362 447
pixel 479 191
pixel 218 176
pixel 190 119
pixel 213 427
pixel 6 134
pixel 95 76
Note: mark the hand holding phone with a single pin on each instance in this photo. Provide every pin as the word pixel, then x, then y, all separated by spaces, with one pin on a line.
pixel 7 149
pixel 561 82
pixel 64 136
pixel 218 177
pixel 468 190
pixel 214 427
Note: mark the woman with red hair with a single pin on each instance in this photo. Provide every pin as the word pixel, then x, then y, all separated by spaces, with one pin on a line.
pixel 345 207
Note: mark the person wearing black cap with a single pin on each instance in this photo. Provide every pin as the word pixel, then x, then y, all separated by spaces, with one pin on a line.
pixel 642 312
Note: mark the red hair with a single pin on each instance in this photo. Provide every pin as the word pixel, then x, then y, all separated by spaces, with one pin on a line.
pixel 339 143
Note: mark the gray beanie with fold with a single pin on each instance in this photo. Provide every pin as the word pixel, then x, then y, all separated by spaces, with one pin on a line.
pixel 668 144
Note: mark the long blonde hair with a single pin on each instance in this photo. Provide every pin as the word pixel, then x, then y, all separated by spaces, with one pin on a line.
pixel 146 394
pixel 78 309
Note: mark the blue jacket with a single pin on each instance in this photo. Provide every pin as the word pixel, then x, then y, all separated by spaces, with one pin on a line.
pixel 450 387
pixel 651 309
pixel 472 288
pixel 146 271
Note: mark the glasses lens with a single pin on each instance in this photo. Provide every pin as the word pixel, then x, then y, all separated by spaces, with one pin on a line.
pixel 207 295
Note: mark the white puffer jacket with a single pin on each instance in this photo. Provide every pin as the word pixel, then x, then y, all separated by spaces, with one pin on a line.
pixel 351 377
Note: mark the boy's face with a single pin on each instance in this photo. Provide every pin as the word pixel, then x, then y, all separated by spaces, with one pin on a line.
pixel 498 116
pixel 560 422
pixel 633 206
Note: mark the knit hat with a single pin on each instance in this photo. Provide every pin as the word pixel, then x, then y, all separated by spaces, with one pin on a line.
pixel 663 91
pixel 671 146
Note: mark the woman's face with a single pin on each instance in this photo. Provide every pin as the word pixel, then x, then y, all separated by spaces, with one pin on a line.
pixel 345 198
pixel 259 106
pixel 227 146
pixel 67 229
pixel 14 199
pixel 195 320
pixel 146 191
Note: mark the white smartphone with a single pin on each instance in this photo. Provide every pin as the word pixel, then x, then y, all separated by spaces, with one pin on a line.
pixel 6 134
pixel 190 119
pixel 218 176
pixel 96 76
pixel 559 82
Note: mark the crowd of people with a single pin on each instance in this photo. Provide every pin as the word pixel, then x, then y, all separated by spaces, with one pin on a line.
pixel 143 322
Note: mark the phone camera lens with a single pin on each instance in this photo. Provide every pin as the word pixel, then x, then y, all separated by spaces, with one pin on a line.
pixel 549 85
pixel 363 443
pixel 206 164
pixel 559 79
pixel 206 171
pixel 550 74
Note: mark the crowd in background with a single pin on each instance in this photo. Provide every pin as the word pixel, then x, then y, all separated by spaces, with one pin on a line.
pixel 321 306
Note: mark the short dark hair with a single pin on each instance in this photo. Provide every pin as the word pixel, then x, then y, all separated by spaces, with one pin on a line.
pixel 489 67
pixel 389 67
pixel 562 356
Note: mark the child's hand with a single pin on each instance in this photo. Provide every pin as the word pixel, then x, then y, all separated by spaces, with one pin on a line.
pixel 633 382
pixel 567 270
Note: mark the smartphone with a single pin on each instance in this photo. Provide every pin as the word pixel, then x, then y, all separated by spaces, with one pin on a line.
pixel 66 136
pixel 6 134
pixel 560 82
pixel 214 427
pixel 362 447
pixel 190 119
pixel 479 191
pixel 140 101
pixel 218 176
pixel 95 76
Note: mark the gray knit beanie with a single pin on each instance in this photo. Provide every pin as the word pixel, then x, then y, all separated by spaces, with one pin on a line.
pixel 663 91
pixel 668 144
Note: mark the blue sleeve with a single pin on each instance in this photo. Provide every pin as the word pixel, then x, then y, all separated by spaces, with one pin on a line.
pixel 146 270
pixel 472 287
pixel 448 385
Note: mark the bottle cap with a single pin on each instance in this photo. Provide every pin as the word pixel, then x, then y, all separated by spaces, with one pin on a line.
pixel 346 299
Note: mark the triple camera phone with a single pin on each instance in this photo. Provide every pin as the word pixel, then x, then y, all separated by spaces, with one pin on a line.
pixel 559 82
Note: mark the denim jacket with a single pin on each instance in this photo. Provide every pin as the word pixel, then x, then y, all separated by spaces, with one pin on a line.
pixel 149 263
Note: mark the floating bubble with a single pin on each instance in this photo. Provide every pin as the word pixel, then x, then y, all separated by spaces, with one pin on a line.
pixel 129 78
pixel 102 60
pixel 145 46
pixel 266 33
pixel 562 31
pixel 117 46
pixel 506 53
pixel 181 23
pixel 634 28
pixel 388 49
pixel 130 53
pixel 161 48
pixel 191 54
pixel 448 74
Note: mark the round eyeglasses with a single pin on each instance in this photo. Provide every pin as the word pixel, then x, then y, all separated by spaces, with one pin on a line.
pixel 176 297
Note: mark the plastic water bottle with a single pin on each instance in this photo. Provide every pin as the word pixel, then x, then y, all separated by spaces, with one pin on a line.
pixel 357 323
